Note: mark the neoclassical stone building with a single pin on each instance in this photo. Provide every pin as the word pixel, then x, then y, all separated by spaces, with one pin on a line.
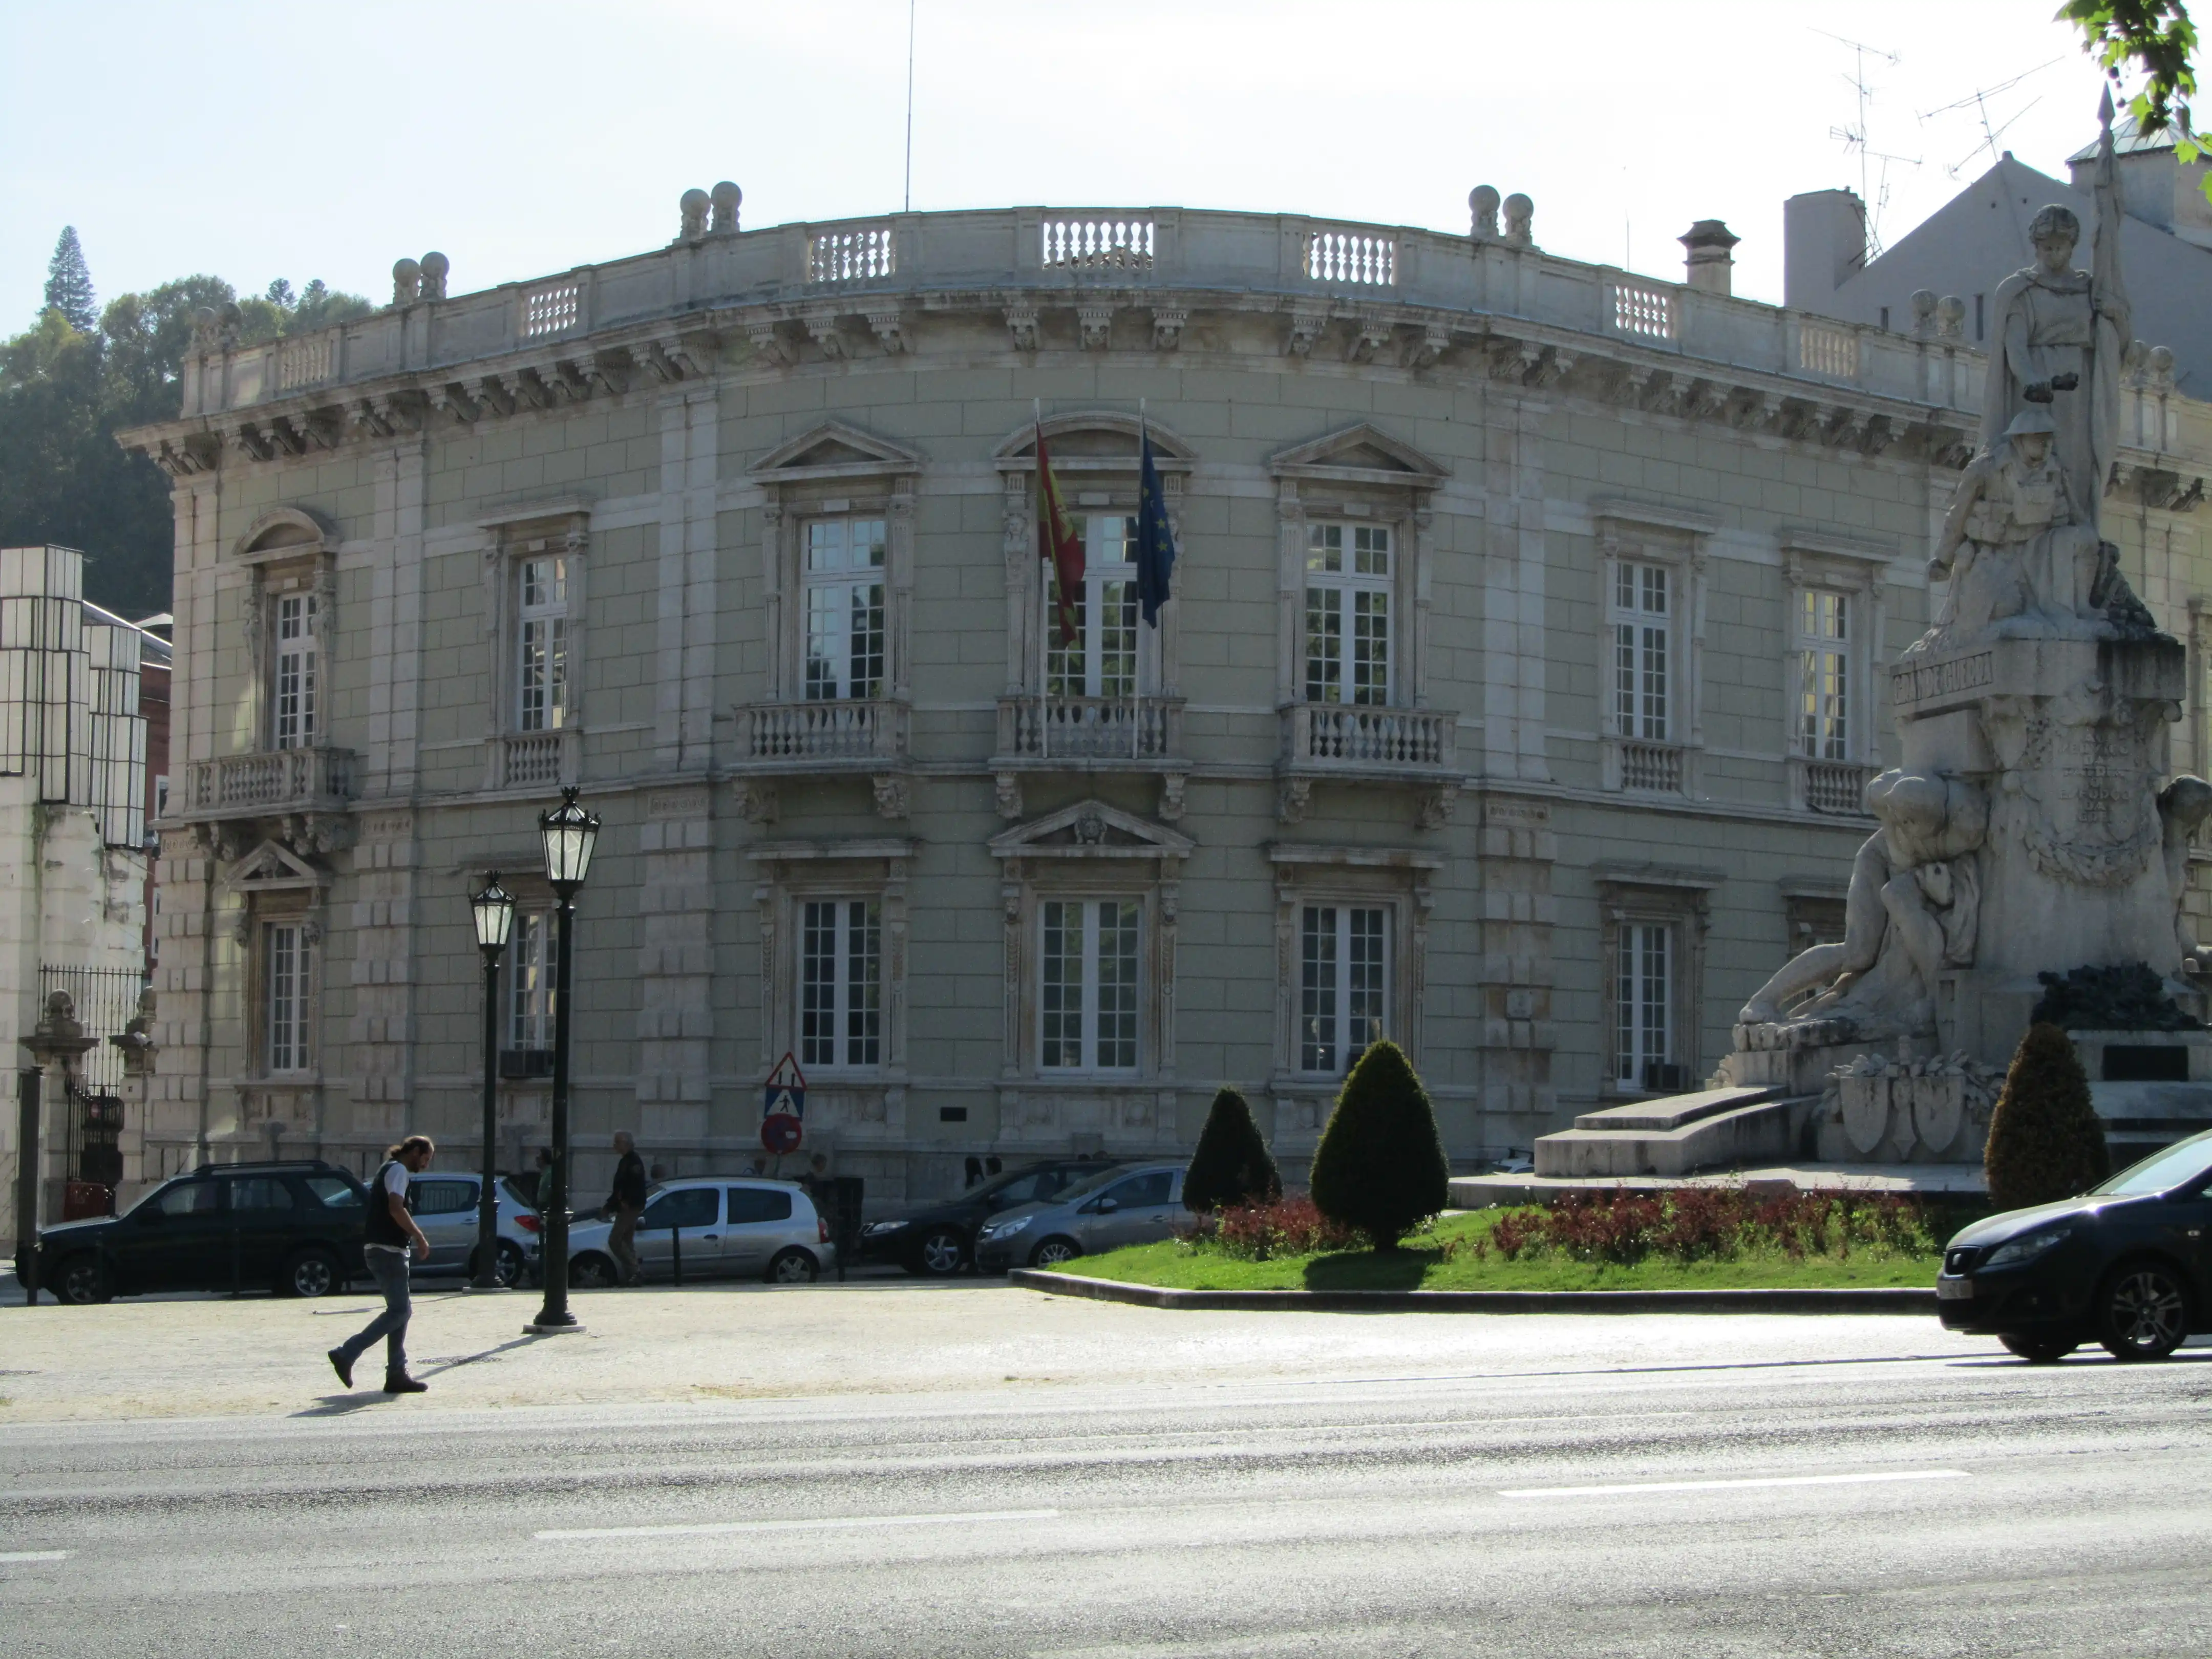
pixel 1515 699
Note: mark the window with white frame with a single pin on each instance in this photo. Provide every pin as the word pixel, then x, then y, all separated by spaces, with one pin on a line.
pixel 541 643
pixel 532 967
pixel 1087 989
pixel 1101 660
pixel 1642 650
pixel 293 707
pixel 1343 989
pixel 1348 613
pixel 286 999
pixel 840 983
pixel 1823 683
pixel 1645 970
pixel 845 610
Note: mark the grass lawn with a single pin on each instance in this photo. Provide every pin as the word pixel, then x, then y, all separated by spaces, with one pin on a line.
pixel 1422 1266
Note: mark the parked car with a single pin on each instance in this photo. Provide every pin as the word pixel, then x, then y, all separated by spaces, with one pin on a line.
pixel 444 1206
pixel 1128 1204
pixel 2128 1264
pixel 293 1227
pixel 938 1239
pixel 730 1226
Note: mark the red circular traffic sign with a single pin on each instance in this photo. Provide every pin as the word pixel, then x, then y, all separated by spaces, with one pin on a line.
pixel 780 1133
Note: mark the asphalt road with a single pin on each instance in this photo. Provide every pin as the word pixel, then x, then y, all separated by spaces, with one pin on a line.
pixel 1932 1502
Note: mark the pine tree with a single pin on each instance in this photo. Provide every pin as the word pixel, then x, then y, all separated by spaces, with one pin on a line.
pixel 69 284
pixel 1381 1165
pixel 2046 1140
pixel 1232 1165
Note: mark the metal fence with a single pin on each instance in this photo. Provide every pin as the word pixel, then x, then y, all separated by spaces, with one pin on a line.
pixel 107 1001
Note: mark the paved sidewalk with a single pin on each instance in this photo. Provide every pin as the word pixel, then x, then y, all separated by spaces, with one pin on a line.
pixel 262 1356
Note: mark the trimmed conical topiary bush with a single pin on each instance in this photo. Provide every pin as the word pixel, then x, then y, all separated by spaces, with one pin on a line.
pixel 1381 1165
pixel 1232 1165
pixel 2045 1141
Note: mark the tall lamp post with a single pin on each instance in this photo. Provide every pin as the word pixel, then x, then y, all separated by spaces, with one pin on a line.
pixel 569 834
pixel 494 909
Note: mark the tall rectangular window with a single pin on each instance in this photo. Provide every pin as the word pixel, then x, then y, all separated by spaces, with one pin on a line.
pixel 293 725
pixel 532 966
pixel 1644 986
pixel 1348 628
pixel 1344 983
pixel 542 693
pixel 1102 661
pixel 1824 675
pixel 845 630
pixel 1643 630
pixel 285 951
pixel 840 983
pixel 1087 995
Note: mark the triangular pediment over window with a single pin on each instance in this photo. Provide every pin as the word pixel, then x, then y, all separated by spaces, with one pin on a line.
pixel 272 867
pixel 1091 828
pixel 833 450
pixel 1363 453
pixel 1092 441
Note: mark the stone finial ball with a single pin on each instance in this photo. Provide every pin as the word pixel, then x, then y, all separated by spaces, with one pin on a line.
pixel 727 199
pixel 1923 302
pixel 406 270
pixel 695 201
pixel 2161 361
pixel 435 265
pixel 1483 198
pixel 1518 206
pixel 1951 308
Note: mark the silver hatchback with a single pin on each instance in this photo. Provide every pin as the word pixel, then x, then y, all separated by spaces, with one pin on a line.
pixel 444 1206
pixel 725 1227
pixel 1129 1203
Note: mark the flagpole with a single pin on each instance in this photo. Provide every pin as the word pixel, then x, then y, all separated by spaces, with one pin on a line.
pixel 1044 587
pixel 1136 707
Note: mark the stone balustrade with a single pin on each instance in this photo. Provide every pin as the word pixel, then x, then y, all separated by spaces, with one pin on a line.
pixel 774 735
pixel 1653 768
pixel 1090 728
pixel 1357 738
pixel 531 760
pixel 270 781
pixel 1832 787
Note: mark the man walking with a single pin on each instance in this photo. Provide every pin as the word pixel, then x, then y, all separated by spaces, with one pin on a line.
pixel 625 1202
pixel 391 1230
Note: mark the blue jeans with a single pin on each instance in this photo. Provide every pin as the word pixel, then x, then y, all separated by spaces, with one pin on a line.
pixel 390 1267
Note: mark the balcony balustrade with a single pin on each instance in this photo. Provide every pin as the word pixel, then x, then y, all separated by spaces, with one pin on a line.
pixel 803 736
pixel 1090 728
pixel 1837 788
pixel 1653 768
pixel 1362 737
pixel 271 781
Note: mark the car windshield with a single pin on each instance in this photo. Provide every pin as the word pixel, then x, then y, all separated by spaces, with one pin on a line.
pixel 1090 1184
pixel 2161 1171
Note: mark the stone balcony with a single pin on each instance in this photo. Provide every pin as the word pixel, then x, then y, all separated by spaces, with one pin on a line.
pixel 1090 734
pixel 794 737
pixel 1371 743
pixel 269 783
pixel 1831 788
pixel 1642 767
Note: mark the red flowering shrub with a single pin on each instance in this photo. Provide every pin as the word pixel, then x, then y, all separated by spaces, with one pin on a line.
pixel 1289 1226
pixel 1714 1223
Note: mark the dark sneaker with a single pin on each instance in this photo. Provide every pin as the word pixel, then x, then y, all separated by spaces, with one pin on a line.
pixel 404 1385
pixel 341 1365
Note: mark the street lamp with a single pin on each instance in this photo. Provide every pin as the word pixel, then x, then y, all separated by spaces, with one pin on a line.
pixel 494 909
pixel 569 834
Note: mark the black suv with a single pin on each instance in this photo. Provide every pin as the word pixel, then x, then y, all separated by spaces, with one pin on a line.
pixel 294 1228
pixel 940 1240
pixel 2128 1264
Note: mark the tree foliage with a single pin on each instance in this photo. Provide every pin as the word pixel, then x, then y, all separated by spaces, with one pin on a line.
pixel 2046 1140
pixel 1381 1165
pixel 1231 1164
pixel 2154 38
pixel 75 376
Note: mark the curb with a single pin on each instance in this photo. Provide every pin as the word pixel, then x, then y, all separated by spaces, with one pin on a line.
pixel 1901 1300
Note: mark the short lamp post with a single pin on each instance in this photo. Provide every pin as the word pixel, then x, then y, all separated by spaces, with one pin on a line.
pixel 494 909
pixel 569 834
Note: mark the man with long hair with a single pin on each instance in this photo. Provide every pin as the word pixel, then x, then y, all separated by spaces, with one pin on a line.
pixel 391 1230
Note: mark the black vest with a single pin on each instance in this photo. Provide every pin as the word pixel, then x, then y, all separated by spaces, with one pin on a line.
pixel 382 1229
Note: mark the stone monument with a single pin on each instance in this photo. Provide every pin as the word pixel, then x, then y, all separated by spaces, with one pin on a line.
pixel 2029 829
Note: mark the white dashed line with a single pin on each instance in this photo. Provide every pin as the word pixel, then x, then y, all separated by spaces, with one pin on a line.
pixel 1739 1485
pixel 707 1528
pixel 35 1555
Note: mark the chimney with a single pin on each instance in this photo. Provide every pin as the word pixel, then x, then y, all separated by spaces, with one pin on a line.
pixel 1710 261
pixel 1823 244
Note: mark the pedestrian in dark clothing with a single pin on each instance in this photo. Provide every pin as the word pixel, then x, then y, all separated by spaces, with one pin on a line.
pixel 545 1179
pixel 391 1230
pixel 625 1203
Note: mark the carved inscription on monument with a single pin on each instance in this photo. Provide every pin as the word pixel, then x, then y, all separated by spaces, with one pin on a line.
pixel 1940 679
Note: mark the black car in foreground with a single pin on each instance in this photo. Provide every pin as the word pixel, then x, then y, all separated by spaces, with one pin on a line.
pixel 294 1228
pixel 2128 1264
pixel 939 1240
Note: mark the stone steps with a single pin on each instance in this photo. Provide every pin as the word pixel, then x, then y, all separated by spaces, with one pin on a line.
pixel 1676 1134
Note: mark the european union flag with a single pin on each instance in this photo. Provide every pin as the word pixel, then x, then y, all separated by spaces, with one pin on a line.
pixel 1156 548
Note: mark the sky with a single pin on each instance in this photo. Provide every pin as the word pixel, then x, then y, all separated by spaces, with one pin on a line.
pixel 255 143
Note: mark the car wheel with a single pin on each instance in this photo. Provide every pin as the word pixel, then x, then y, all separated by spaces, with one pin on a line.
pixel 2038 1348
pixel 310 1273
pixel 793 1267
pixel 593 1272
pixel 2142 1312
pixel 1055 1251
pixel 81 1281
pixel 944 1252
pixel 509 1269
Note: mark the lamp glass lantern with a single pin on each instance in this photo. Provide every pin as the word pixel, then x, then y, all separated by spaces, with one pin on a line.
pixel 569 834
pixel 494 909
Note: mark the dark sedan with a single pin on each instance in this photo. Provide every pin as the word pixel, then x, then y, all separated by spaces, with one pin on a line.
pixel 294 1228
pixel 2128 1264
pixel 939 1240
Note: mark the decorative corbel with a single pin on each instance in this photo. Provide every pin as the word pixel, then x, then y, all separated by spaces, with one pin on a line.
pixel 757 800
pixel 1306 327
pixel 822 329
pixel 889 325
pixel 1022 327
pixel 1293 796
pixel 248 439
pixel 1095 323
pixel 891 793
pixel 1370 334
pixel 1166 329
pixel 766 340
pixel 1434 811
pixel 1006 794
pixel 491 392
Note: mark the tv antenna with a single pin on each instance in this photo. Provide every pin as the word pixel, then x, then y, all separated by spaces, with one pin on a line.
pixel 1978 101
pixel 1873 185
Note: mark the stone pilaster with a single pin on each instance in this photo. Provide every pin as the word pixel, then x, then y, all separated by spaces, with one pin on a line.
pixel 675 1021
pixel 1513 590
pixel 1517 851
pixel 684 719
pixel 380 1038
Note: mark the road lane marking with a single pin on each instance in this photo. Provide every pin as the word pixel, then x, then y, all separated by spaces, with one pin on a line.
pixel 36 1555
pixel 705 1529
pixel 1739 1485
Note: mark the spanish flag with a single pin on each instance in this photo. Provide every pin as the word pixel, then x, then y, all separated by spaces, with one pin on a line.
pixel 1058 539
